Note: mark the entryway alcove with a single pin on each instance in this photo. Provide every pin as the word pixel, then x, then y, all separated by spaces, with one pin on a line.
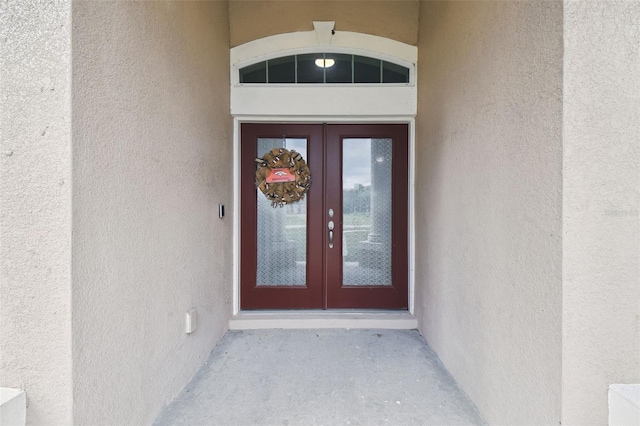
pixel 347 102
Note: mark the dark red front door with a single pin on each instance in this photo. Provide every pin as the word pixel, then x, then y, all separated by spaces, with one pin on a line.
pixel 345 245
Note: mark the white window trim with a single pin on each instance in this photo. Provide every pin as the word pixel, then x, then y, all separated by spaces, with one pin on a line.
pixel 310 42
pixel 336 100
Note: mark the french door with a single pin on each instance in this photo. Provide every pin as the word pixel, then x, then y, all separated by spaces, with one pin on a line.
pixel 346 244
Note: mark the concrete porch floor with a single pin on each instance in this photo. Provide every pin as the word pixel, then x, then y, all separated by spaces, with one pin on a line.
pixel 321 377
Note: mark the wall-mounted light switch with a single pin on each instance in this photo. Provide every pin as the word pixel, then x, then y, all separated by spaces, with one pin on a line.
pixel 220 211
pixel 191 321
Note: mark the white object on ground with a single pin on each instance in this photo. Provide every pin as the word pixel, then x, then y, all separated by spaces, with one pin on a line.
pixel 624 405
pixel 13 407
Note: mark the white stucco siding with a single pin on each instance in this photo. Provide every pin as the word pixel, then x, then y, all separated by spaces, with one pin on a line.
pixel 601 170
pixel 35 206
pixel 152 161
pixel 488 202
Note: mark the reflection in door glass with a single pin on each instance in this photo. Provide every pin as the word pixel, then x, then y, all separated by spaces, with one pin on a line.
pixel 282 231
pixel 366 210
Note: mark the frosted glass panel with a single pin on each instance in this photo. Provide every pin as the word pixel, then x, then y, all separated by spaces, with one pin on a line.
pixel 282 231
pixel 366 204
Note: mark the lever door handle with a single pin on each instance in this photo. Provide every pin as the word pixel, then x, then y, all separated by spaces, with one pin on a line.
pixel 330 225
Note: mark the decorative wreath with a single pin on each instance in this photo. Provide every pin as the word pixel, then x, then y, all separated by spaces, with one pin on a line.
pixel 283 176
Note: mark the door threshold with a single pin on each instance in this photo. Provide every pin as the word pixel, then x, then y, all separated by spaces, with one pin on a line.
pixel 309 319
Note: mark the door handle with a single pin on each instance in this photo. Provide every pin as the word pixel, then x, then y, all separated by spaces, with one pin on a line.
pixel 330 225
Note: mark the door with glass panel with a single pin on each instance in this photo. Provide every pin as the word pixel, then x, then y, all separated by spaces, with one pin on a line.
pixel 345 245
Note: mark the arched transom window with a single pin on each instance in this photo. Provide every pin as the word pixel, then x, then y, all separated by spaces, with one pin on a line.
pixel 324 68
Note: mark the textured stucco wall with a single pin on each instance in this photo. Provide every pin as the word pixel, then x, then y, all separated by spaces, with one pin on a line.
pixel 35 205
pixel 152 158
pixel 601 219
pixel 395 19
pixel 489 199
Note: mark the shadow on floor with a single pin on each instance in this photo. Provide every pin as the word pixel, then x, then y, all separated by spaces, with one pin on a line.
pixel 321 377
